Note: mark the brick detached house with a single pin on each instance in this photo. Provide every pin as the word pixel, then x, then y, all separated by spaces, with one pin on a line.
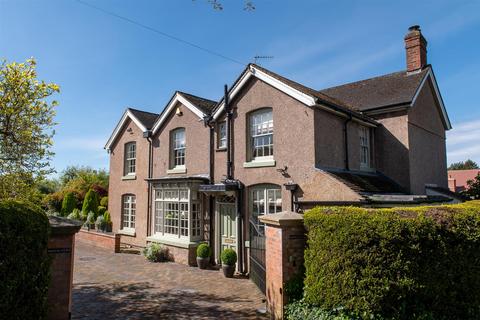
pixel 205 170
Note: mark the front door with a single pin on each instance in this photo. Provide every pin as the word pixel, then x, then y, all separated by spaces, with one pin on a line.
pixel 228 226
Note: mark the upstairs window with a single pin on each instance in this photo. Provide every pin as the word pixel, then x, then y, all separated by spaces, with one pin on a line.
pixel 178 148
pixel 222 135
pixel 261 134
pixel 130 158
pixel 129 208
pixel 364 147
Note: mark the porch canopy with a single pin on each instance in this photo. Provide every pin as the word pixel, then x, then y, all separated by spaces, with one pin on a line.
pixel 218 188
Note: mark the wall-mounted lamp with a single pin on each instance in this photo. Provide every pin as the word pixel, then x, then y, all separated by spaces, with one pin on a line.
pixel 179 112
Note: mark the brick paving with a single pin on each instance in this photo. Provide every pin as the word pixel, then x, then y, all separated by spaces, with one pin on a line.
pixel 110 285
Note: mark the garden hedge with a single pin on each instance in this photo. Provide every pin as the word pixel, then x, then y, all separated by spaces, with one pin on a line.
pixel 24 261
pixel 400 263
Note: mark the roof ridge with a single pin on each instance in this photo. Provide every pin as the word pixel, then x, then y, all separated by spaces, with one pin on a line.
pixel 195 96
pixel 376 77
pixel 130 108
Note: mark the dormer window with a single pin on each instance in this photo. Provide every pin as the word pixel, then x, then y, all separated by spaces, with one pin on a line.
pixel 365 155
pixel 130 158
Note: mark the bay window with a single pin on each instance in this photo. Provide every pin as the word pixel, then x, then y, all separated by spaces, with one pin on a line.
pixel 177 212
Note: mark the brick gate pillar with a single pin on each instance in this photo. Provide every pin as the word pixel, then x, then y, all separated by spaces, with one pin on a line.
pixel 284 248
pixel 61 246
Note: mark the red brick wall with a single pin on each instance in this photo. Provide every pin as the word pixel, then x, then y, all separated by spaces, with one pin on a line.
pixel 283 259
pixel 107 241
pixel 61 249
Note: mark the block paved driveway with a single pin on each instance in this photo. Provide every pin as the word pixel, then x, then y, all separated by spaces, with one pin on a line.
pixel 110 285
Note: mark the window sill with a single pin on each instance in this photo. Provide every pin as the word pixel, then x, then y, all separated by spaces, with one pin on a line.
pixel 125 232
pixel 129 177
pixel 367 169
pixel 177 170
pixel 173 242
pixel 259 163
pixel 223 149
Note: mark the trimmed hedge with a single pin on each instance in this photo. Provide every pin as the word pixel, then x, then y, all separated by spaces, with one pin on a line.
pixel 68 204
pixel 24 262
pixel 400 263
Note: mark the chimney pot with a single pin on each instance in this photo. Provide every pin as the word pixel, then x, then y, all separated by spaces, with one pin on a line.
pixel 416 49
pixel 414 28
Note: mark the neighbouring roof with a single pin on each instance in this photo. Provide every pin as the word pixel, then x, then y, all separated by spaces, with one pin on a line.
pixel 462 176
pixel 366 183
pixel 388 90
pixel 146 118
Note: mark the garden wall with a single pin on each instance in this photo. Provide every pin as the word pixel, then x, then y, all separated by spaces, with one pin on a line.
pixel 108 241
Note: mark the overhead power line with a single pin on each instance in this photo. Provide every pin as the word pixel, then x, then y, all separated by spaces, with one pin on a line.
pixel 164 34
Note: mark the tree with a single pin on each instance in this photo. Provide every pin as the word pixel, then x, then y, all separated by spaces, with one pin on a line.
pixel 90 203
pixel 68 204
pixel 464 165
pixel 26 128
pixel 473 188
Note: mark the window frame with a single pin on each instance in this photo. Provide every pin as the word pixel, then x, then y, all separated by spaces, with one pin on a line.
pixel 264 190
pixel 222 139
pixel 128 160
pixel 365 142
pixel 251 149
pixel 174 149
pixel 132 210
pixel 192 231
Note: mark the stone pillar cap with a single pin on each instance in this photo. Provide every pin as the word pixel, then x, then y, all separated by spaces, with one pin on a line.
pixel 60 225
pixel 285 218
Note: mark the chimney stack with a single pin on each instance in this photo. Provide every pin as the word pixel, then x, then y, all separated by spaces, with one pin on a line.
pixel 416 47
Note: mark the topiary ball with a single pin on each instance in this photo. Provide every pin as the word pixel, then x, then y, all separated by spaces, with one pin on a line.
pixel 203 251
pixel 229 257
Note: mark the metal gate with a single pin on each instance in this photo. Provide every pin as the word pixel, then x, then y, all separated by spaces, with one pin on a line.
pixel 257 255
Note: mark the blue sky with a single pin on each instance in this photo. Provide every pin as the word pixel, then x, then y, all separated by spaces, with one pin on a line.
pixel 104 64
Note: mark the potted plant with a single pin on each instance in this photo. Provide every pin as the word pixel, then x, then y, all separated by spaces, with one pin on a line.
pixel 108 221
pixel 229 259
pixel 90 221
pixel 100 224
pixel 203 255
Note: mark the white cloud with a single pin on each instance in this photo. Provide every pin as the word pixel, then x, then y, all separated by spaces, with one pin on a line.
pixel 463 141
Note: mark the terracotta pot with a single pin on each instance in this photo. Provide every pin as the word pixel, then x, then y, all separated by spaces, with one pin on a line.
pixel 203 263
pixel 228 271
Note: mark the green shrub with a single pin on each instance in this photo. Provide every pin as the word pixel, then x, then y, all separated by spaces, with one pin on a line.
pixel 68 204
pixel 107 217
pixel 104 202
pixel 100 222
pixel 24 262
pixel 75 215
pixel 204 251
pixel 101 210
pixel 294 287
pixel 229 257
pixel 155 252
pixel 90 218
pixel 400 263
pixel 90 203
pixel 301 310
